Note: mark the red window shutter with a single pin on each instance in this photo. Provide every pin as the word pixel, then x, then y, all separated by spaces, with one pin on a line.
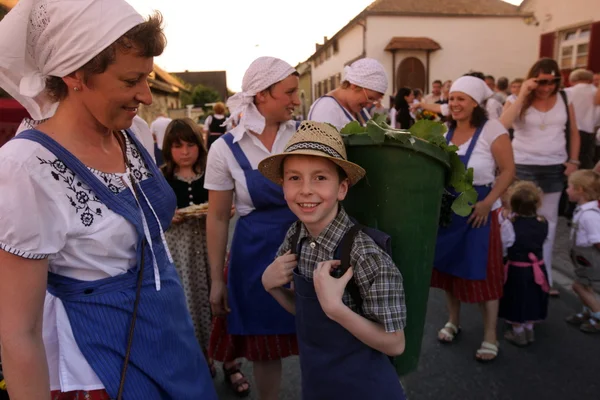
pixel 547 45
pixel 594 48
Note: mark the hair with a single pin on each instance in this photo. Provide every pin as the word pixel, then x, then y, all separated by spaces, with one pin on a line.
pixel 589 181
pixel 517 80
pixel 490 77
pixel 525 198
pixel 342 175
pixel 542 66
pixel 182 130
pixel 502 83
pixel 219 108
pixel 399 101
pixel 437 81
pixel 146 40
pixel 417 92
pixel 580 75
pixel 476 74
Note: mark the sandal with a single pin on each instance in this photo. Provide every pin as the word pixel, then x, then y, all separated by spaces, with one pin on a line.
pixel 237 384
pixel 591 326
pixel 487 348
pixel 577 319
pixel 518 339
pixel 449 332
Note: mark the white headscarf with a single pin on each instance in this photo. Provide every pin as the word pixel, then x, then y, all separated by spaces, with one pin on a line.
pixel 367 73
pixel 474 87
pixel 41 38
pixel 262 73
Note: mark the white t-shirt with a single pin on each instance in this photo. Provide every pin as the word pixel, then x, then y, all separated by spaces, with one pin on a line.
pixel 142 131
pixel 223 172
pixel 586 113
pixel 46 212
pixel 511 98
pixel 586 220
pixel 327 109
pixel 158 128
pixel 482 161
pixel 493 108
pixel 533 145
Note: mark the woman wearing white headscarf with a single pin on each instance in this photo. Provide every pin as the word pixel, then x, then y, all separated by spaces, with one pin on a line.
pixel 265 331
pixel 364 84
pixel 90 302
pixel 468 254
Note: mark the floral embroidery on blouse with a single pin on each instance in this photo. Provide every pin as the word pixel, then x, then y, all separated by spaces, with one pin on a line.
pixel 81 197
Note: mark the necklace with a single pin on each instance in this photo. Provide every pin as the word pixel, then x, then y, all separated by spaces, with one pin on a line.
pixel 543 120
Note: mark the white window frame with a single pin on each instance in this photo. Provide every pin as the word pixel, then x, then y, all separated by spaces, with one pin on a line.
pixel 573 44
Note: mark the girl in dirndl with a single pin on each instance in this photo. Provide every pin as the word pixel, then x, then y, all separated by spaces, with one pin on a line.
pixel 525 299
pixel 468 257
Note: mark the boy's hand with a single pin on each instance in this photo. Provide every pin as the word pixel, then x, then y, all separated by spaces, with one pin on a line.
pixel 280 272
pixel 329 289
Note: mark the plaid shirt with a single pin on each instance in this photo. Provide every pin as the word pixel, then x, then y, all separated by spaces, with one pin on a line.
pixel 377 278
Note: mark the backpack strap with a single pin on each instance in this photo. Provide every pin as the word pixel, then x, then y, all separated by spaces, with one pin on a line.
pixel 343 254
pixel 295 237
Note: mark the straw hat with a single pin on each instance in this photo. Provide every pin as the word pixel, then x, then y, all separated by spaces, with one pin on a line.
pixel 313 139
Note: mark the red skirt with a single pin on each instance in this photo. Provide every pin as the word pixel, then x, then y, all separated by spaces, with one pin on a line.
pixel 80 395
pixel 224 347
pixel 470 291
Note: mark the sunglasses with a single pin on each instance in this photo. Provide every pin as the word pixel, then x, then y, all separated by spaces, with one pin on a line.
pixel 546 82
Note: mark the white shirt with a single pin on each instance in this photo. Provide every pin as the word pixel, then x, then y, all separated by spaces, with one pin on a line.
pixel 209 119
pixel 158 128
pixel 223 172
pixel 533 145
pixel 327 109
pixel 46 213
pixel 392 117
pixel 142 131
pixel 493 108
pixel 482 161
pixel 511 98
pixel 586 112
pixel 586 220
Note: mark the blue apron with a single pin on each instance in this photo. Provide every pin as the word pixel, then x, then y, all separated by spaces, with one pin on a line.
pixel 462 250
pixel 166 361
pixel 256 239
pixel 333 362
pixel 363 113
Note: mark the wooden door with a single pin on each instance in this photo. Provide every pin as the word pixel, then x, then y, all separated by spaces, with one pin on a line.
pixel 411 74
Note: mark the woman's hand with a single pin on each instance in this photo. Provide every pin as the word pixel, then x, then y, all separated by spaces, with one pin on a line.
pixel 570 168
pixel 415 106
pixel 527 87
pixel 280 272
pixel 480 214
pixel 218 298
pixel 329 289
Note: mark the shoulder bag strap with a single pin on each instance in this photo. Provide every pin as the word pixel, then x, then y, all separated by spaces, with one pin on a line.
pixel 563 95
pixel 345 248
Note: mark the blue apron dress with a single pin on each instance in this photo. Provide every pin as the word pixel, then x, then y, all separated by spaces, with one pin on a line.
pixel 256 239
pixel 363 113
pixel 333 362
pixel 462 250
pixel 166 361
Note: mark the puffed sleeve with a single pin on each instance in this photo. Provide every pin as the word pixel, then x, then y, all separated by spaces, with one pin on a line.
pixel 218 174
pixel 507 233
pixel 31 224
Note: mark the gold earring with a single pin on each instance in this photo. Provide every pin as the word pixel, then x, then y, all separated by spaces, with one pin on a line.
pixel 76 89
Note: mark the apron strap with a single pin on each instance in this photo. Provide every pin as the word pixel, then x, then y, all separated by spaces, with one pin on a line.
pixel 237 151
pixel 474 140
pixel 343 254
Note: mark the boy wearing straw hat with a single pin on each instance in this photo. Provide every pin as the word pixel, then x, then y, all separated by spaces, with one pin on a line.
pixel 344 337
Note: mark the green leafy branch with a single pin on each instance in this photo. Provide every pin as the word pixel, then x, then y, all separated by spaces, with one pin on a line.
pixel 461 178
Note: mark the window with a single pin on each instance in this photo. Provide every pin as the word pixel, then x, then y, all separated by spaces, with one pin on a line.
pixel 325 88
pixel 574 48
pixel 335 46
pixel 332 82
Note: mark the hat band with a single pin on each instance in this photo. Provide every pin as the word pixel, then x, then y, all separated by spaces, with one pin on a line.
pixel 330 151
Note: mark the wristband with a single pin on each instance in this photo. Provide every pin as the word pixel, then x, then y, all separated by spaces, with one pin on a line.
pixel 574 162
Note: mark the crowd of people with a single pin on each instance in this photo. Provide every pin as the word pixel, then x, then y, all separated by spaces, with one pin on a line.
pixel 113 289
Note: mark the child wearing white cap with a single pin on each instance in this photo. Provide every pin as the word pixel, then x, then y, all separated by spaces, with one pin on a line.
pixel 365 82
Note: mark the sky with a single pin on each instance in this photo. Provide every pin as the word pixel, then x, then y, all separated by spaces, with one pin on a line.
pixel 229 34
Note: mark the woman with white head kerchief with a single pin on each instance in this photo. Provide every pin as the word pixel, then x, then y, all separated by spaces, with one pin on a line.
pixel 83 211
pixel 364 83
pixel 266 103
pixel 468 254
